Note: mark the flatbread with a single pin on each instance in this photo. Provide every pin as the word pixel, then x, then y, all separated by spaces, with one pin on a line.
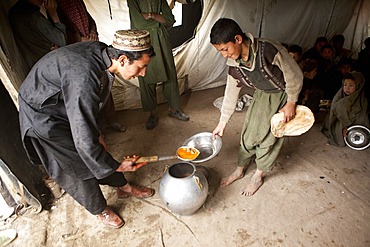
pixel 301 123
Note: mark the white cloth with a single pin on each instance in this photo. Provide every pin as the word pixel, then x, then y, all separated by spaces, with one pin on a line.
pixel 199 66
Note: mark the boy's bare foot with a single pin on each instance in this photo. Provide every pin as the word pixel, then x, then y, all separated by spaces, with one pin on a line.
pixel 237 174
pixel 255 183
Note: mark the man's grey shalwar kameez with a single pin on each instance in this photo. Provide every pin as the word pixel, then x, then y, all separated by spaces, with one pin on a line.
pixel 59 104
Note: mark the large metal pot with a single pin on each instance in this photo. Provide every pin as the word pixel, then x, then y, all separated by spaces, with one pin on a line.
pixel 183 189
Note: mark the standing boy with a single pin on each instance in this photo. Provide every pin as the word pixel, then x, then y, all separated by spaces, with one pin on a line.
pixel 266 66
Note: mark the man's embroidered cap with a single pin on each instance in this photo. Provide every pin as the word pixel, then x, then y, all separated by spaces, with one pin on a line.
pixel 131 40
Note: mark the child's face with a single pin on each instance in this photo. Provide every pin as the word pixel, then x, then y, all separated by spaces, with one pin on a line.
pixel 319 45
pixel 327 53
pixel 295 55
pixel 229 50
pixel 311 74
pixel 345 68
pixel 349 86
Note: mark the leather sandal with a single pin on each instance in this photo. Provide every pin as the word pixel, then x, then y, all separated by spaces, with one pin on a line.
pixel 136 191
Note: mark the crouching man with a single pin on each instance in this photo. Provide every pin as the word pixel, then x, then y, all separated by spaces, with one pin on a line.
pixel 59 105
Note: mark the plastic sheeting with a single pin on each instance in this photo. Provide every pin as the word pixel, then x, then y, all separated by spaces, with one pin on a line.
pixel 198 64
pixel 23 199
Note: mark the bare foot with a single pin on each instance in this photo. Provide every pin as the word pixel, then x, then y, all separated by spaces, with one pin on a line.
pixel 255 183
pixel 237 174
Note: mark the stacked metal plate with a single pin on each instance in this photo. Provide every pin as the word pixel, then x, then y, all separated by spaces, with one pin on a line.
pixel 358 137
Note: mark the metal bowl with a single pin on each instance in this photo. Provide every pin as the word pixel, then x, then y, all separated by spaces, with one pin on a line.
pixel 206 144
pixel 358 137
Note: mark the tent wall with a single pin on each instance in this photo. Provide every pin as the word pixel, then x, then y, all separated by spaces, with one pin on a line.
pixel 13 155
pixel 198 64
pixel 12 66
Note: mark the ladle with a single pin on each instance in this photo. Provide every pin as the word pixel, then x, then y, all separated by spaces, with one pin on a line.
pixel 184 153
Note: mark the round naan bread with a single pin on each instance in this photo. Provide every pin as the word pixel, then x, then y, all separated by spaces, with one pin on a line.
pixel 301 123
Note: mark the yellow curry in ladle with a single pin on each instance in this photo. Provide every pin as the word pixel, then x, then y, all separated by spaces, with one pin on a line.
pixel 187 153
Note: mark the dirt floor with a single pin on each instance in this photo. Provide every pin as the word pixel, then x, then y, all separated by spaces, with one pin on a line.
pixel 317 195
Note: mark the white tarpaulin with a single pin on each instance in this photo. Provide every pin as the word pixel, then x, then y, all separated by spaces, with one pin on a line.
pixel 198 64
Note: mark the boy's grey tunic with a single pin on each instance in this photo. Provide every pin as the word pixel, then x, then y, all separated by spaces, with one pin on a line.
pixel 256 137
pixel 59 105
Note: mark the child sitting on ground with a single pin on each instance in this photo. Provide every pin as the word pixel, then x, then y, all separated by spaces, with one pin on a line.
pixel 348 108
pixel 311 92
pixel 296 52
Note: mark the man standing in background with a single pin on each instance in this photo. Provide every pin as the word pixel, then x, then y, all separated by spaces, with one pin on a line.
pixel 155 16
